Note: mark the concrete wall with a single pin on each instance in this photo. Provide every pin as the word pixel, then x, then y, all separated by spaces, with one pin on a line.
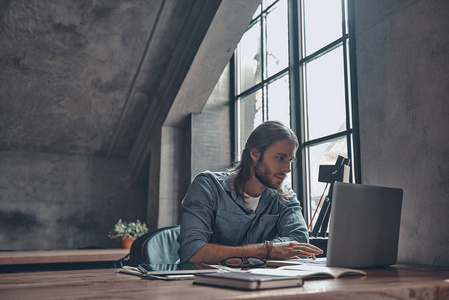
pixel 211 137
pixel 52 201
pixel 403 95
pixel 98 78
pixel 174 175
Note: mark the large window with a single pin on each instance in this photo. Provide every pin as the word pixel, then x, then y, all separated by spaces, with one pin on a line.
pixel 293 64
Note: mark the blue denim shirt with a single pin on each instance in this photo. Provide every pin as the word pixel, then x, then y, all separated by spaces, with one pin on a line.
pixel 213 213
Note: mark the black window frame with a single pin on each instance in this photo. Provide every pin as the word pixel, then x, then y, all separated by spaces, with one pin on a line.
pixel 297 60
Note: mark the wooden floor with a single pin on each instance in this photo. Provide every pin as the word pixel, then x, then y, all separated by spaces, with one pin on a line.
pixel 397 282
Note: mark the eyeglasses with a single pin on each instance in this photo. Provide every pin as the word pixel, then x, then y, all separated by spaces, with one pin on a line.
pixel 243 262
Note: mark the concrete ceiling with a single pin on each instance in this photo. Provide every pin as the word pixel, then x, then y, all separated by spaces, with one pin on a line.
pixel 93 77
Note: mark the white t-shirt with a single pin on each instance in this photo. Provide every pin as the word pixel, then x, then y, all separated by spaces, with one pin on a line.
pixel 251 202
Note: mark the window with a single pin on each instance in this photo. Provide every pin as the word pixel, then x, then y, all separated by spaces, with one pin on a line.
pixel 293 64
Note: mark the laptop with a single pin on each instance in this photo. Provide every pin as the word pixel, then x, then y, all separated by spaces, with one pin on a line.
pixel 364 226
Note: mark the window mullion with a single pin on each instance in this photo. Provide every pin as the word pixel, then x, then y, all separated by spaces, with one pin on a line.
pixel 347 89
pixel 354 101
pixel 299 175
pixel 263 62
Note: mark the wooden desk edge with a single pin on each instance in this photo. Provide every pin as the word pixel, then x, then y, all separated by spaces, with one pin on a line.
pixel 61 256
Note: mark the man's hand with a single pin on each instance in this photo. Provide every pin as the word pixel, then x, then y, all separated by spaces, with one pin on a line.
pixel 294 249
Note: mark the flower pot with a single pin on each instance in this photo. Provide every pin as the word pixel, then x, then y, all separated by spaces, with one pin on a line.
pixel 127 242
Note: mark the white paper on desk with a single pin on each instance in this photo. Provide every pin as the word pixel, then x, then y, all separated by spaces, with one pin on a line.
pixel 306 267
pixel 169 277
pixel 130 270
pixel 280 272
pixel 296 261
pixel 226 269
pixel 333 271
pixel 283 262
pixel 307 271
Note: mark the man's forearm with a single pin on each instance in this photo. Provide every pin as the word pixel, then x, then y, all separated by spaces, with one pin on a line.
pixel 214 253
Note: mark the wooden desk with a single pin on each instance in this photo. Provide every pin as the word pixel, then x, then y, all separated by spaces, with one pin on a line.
pixel 22 261
pixel 397 282
pixel 60 256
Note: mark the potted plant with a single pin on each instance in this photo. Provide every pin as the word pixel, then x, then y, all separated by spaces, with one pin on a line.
pixel 128 232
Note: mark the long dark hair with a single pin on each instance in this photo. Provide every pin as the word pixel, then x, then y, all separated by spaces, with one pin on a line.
pixel 261 138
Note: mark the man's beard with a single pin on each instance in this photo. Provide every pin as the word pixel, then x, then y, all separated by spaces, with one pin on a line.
pixel 265 176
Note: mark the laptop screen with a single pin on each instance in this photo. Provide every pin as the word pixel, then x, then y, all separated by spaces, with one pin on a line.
pixel 364 226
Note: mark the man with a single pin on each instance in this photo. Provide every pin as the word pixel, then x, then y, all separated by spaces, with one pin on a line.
pixel 247 212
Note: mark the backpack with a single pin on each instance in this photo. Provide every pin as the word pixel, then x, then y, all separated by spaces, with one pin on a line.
pixel 159 246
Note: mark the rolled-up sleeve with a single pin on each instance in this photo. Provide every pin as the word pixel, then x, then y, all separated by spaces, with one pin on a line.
pixel 198 214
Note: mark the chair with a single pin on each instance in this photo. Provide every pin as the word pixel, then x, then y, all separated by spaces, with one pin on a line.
pixel 162 245
pixel 159 246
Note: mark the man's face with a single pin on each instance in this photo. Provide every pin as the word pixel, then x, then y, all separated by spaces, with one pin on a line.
pixel 272 169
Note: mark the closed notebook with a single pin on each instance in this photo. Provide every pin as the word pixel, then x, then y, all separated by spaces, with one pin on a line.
pixel 247 281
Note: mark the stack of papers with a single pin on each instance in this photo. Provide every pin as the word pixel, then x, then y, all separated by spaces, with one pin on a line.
pixel 168 272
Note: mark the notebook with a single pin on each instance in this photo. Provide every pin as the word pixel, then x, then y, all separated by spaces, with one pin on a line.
pixel 248 281
pixel 364 226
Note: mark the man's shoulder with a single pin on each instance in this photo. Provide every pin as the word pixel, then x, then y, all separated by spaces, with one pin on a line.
pixel 222 179
pixel 219 177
